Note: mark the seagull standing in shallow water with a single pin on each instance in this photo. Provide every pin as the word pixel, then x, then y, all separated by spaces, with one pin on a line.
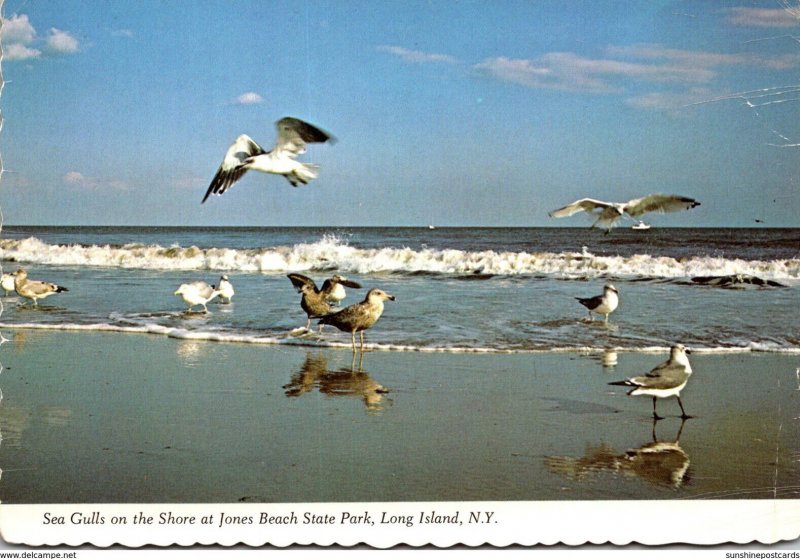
pixel 245 154
pixel 197 293
pixel 225 288
pixel 33 289
pixel 609 212
pixel 359 317
pixel 602 304
pixel 7 282
pixel 668 379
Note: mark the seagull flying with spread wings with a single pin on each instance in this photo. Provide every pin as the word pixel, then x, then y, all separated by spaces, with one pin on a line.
pixel 609 212
pixel 245 154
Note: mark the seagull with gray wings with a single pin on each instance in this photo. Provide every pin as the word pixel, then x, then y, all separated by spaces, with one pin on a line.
pixel 245 154
pixel 359 317
pixel 665 380
pixel 609 212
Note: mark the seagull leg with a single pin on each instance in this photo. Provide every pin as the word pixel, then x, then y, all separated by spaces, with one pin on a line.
pixel 308 324
pixel 362 342
pixel 683 412
pixel 655 415
pixel 353 337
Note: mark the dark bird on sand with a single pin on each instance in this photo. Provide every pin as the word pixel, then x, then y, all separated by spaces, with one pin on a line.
pixel 665 380
pixel 359 317
pixel 245 154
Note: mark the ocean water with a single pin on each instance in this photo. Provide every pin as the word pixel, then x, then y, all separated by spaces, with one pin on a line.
pixel 456 289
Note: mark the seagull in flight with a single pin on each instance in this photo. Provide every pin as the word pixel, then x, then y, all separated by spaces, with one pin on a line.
pixel 609 212
pixel 245 154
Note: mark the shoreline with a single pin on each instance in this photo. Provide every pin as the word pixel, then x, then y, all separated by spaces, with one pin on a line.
pixel 289 340
pixel 99 417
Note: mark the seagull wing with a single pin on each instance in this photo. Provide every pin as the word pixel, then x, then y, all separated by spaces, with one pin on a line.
pixel 233 166
pixel 582 205
pixel 666 375
pixel 348 316
pixel 659 203
pixel 328 284
pixel 299 280
pixel 202 288
pixel 293 134
pixel 36 287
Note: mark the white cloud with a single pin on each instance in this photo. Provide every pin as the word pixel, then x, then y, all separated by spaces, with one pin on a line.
pixel 74 177
pixel 21 42
pixel 669 100
pixel 641 64
pixel 570 72
pixel 249 98
pixel 17 34
pixel 17 29
pixel 16 51
pixel 764 17
pixel 79 180
pixel 417 56
pixel 61 42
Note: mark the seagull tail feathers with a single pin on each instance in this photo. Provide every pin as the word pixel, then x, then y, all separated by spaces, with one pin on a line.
pixel 621 383
pixel 303 174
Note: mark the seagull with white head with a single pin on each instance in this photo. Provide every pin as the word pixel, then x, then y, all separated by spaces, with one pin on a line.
pixel 245 154
pixel 608 213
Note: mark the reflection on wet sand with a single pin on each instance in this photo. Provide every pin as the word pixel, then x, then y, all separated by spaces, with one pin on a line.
pixel 658 462
pixel 352 381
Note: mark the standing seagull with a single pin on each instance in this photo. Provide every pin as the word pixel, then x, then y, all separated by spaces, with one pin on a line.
pixel 332 288
pixel 359 317
pixel 609 212
pixel 668 379
pixel 197 293
pixel 32 289
pixel 244 154
pixel 225 288
pixel 602 304
pixel 314 304
pixel 7 282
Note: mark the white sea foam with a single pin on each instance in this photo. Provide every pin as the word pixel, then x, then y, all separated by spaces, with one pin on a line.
pixel 286 339
pixel 331 253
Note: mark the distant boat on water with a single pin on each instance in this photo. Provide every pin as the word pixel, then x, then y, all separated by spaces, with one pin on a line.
pixel 431 227
pixel 641 226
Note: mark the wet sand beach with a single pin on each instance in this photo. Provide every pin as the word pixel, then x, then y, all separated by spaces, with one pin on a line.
pixel 128 418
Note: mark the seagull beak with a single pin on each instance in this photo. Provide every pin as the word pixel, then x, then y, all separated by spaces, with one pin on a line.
pixel 390 297
pixel 178 292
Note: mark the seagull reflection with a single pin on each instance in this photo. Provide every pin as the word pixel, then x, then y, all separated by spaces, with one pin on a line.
pixel 659 462
pixel 609 358
pixel 352 381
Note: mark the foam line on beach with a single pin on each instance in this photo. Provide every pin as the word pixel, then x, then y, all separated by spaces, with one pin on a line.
pixel 255 338
pixel 331 253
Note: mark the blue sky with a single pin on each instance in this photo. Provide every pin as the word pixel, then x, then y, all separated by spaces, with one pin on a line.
pixel 451 113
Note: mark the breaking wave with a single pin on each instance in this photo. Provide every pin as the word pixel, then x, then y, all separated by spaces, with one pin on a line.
pixel 331 253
